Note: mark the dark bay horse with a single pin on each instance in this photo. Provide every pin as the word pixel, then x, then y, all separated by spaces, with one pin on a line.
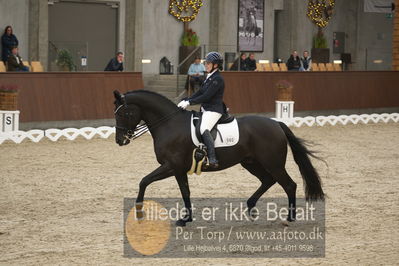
pixel 262 149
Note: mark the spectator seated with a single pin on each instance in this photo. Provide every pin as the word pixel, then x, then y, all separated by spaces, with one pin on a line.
pixel 15 62
pixel 195 76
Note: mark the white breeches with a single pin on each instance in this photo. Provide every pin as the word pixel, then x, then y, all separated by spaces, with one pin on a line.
pixel 209 120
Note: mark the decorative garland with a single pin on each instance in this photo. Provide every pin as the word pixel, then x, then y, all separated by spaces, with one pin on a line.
pixel 320 11
pixel 180 9
pixel 106 132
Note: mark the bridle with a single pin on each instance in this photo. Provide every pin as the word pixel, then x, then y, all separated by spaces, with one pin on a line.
pixel 143 128
pixel 129 133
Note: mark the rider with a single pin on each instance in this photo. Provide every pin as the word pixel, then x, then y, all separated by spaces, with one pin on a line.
pixel 211 97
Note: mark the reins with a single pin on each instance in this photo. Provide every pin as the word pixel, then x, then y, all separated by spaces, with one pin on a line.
pixel 163 119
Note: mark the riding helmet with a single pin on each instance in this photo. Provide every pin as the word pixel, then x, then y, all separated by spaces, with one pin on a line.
pixel 214 58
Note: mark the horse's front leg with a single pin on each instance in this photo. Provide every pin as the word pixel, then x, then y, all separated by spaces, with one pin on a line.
pixel 160 173
pixel 182 180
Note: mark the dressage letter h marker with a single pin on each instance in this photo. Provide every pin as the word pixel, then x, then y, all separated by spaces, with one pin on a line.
pixel 284 109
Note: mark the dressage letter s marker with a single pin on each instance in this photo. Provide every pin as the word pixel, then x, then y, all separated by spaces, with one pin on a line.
pixel 8 120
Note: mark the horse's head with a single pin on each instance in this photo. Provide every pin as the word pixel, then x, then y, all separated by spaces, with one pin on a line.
pixel 127 118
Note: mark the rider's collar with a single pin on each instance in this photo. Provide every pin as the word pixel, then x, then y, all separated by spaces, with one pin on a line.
pixel 210 74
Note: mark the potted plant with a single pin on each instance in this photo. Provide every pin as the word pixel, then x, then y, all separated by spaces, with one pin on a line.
pixel 189 42
pixel 65 60
pixel 285 89
pixel 8 97
pixel 190 38
pixel 320 13
pixel 320 50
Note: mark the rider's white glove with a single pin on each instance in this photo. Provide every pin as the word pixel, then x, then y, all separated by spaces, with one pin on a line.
pixel 183 104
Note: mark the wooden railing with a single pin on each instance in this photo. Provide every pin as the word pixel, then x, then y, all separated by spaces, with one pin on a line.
pixel 58 96
pixel 256 92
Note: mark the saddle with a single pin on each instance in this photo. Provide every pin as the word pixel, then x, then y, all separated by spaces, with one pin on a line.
pixel 197 119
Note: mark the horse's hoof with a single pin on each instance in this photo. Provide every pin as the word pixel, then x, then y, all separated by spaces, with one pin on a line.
pixel 139 215
pixel 287 222
pixel 252 216
pixel 182 222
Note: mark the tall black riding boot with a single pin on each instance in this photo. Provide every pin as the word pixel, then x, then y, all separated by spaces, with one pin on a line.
pixel 210 146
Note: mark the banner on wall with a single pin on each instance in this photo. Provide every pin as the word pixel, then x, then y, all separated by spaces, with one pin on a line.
pixel 250 25
pixel 379 6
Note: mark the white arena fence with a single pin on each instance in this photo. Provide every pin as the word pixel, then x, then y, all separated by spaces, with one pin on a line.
pixel 106 132
pixel 53 134
pixel 341 119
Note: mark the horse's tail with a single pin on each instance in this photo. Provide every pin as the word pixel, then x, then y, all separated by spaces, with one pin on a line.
pixel 313 190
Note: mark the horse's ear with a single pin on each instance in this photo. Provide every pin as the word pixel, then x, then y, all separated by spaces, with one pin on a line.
pixel 117 95
pixel 120 98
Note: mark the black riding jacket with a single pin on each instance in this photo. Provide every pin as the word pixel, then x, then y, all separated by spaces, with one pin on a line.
pixel 210 95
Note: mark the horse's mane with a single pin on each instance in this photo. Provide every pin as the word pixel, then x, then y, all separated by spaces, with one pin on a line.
pixel 159 97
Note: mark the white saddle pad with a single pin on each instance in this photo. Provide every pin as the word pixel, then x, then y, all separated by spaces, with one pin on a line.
pixel 229 134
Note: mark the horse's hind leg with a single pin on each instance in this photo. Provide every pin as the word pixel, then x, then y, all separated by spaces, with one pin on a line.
pixel 289 186
pixel 265 178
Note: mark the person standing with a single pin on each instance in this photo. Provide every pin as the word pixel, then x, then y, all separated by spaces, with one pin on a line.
pixel 294 62
pixel 14 62
pixel 306 62
pixel 8 40
pixel 116 63
pixel 251 62
pixel 210 96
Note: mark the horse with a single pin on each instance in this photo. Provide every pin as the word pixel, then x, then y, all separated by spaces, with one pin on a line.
pixel 261 149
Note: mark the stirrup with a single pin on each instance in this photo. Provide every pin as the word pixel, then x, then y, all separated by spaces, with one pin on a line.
pixel 199 156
